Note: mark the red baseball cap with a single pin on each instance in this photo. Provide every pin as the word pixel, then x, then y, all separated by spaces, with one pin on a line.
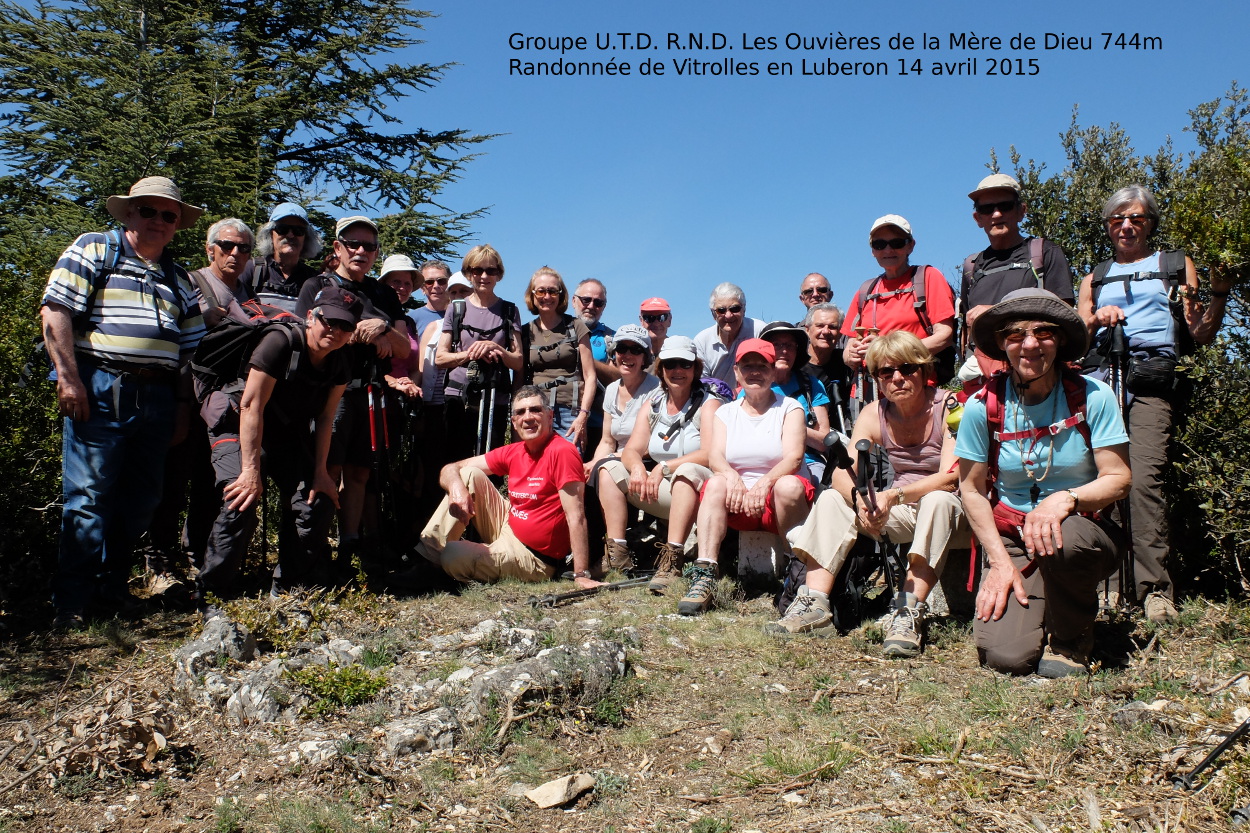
pixel 756 345
pixel 655 305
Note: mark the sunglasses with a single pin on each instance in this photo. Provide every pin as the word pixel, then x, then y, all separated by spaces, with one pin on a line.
pixel 433 281
pixel 352 245
pixel 815 290
pixel 733 308
pixel 147 212
pixel 654 317
pixel 907 369
pixel 283 229
pixel 548 291
pixel 676 364
pixel 1017 335
pixel 596 303
pixel 630 348
pixel 490 271
pixel 987 208
pixel 340 326
pixel 532 409
pixel 229 246
pixel 893 243
pixel 1134 220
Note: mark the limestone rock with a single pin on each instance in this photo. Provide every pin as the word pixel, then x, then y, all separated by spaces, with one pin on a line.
pixel 561 791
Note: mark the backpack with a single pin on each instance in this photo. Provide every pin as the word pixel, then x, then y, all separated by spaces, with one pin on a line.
pixel 973 276
pixel 570 338
pixel 508 314
pixel 1172 272
pixel 220 362
pixel 945 359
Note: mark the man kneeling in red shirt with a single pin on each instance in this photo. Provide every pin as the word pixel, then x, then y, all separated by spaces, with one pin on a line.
pixel 528 535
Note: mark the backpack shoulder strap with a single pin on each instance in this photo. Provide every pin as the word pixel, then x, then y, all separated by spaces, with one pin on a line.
pixel 992 395
pixel 457 321
pixel 862 294
pixel 527 369
pixel 112 256
pixel 1172 266
pixel 1074 392
pixel 918 293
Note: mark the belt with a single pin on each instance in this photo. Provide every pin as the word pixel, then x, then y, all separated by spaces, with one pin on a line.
pixel 145 374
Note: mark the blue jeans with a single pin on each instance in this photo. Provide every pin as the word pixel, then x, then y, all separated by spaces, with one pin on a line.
pixel 112 468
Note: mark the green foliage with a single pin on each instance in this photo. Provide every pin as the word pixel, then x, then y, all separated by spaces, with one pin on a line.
pixel 336 687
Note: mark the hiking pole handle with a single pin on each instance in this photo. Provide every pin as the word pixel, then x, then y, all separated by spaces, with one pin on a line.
pixel 1119 341
pixel 1186 780
pixel 863 483
pixel 838 455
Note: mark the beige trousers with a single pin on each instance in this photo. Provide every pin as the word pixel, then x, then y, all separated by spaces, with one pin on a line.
pixel 697 475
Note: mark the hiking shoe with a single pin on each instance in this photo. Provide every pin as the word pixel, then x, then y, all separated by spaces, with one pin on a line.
pixel 808 613
pixel 702 584
pixel 1055 664
pixel 69 620
pixel 616 555
pixel 667 568
pixel 1159 608
pixel 904 631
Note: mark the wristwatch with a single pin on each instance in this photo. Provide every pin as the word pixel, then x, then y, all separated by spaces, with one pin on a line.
pixel 582 574
pixel 1076 501
pixel 665 470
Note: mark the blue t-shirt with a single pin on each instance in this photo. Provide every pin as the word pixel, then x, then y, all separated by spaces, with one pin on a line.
pixel 422 317
pixel 1072 464
pixel 1148 320
pixel 819 397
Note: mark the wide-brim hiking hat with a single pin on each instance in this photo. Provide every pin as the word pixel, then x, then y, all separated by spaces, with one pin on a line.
pixel 154 186
pixel 356 219
pixel 337 304
pixel 995 181
pixel 458 279
pixel 800 338
pixel 678 347
pixel 287 209
pixel 1031 304
pixel 758 346
pixel 398 263
pixel 634 333
pixel 896 220
pixel 655 305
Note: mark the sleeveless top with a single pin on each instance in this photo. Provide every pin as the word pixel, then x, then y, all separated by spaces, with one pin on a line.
pixel 753 443
pixel 914 462
pixel 1148 320
pixel 623 418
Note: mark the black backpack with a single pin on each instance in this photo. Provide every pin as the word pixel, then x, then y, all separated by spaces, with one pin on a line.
pixel 220 362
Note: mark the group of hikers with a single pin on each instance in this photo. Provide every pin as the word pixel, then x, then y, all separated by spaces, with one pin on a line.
pixel 1033 424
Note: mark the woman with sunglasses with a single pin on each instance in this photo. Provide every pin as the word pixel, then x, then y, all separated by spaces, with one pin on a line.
pixel 558 358
pixel 1042 451
pixel 623 401
pixel 1151 295
pixel 888 302
pixel 664 463
pixel 919 509
pixel 760 482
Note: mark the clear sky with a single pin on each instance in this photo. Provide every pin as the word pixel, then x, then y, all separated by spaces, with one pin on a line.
pixel 668 185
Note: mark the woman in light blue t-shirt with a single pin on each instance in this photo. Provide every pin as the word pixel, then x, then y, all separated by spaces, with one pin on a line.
pixel 1035 508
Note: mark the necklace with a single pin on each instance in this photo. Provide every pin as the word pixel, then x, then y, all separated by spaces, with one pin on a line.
pixel 1026 455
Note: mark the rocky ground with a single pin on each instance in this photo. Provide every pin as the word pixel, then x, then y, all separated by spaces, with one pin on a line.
pixel 480 711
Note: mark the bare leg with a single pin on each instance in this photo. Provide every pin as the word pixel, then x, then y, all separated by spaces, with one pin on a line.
pixel 712 519
pixel 615 506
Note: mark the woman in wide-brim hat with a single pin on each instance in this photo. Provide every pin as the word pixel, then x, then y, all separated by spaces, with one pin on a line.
pixel 1046 544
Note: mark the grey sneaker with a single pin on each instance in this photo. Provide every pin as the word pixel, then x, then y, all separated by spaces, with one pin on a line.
pixel 667 568
pixel 1159 608
pixel 904 633
pixel 808 613
pixel 702 584
pixel 616 556
pixel 1055 664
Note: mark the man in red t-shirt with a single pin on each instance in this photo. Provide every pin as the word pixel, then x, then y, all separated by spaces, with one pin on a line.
pixel 528 535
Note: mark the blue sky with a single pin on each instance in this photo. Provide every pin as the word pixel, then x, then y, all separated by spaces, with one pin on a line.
pixel 668 185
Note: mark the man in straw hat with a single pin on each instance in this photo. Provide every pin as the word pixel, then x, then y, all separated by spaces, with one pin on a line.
pixel 119 319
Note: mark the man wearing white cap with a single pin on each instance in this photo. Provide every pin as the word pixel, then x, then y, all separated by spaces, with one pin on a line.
pixel 282 246
pixel 1010 262
pixel 119 319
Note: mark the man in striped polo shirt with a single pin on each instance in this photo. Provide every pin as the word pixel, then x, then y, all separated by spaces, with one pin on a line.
pixel 119 319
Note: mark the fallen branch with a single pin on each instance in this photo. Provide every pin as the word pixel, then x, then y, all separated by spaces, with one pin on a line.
pixel 1001 770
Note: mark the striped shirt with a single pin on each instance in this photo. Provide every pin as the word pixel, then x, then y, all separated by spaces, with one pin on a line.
pixel 139 315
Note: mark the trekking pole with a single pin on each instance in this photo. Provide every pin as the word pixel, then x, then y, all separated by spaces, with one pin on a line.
pixel 473 375
pixel 863 475
pixel 1185 781
pixel 553 599
pixel 1119 355
pixel 490 422
pixel 835 403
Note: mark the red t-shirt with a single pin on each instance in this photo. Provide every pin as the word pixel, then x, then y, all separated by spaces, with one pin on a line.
pixel 898 312
pixel 534 484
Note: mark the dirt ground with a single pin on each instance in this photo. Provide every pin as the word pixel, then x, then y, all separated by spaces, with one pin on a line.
pixel 717 727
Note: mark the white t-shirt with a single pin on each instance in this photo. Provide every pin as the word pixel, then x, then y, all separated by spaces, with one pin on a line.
pixel 753 443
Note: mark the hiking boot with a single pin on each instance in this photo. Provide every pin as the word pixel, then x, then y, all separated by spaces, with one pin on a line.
pixel 904 633
pixel 698 597
pixel 616 555
pixel 808 613
pixel 1058 662
pixel 1159 608
pixel 69 620
pixel 667 568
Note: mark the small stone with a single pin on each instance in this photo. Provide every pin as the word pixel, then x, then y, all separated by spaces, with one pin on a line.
pixel 776 688
pixel 793 798
pixel 561 790
pixel 460 675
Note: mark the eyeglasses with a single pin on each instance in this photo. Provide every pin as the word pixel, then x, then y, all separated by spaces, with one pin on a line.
pixel 490 271
pixel 732 308
pixel 1017 335
pixel 1134 220
pixel 654 317
pixel 987 208
pixel 596 303
pixel 532 409
pixel 907 369
pixel 283 229
pixel 340 326
pixel 894 243
pixel 433 281
pixel 676 364
pixel 815 290
pixel 367 245
pixel 147 212
pixel 548 291
pixel 229 246
pixel 631 348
